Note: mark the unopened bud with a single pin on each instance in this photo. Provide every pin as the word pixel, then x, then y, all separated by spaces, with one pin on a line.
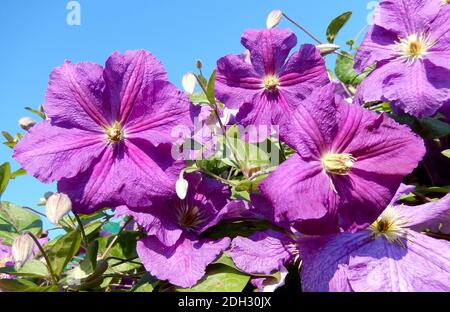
pixel 327 48
pixel 57 206
pixel 199 64
pixel 274 19
pixel 181 187
pixel 189 83
pixel 26 123
pixel 22 249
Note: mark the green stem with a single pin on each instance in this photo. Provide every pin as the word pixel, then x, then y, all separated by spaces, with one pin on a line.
pixel 81 227
pixel 47 260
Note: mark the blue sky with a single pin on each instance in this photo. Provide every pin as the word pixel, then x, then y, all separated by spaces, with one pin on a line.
pixel 36 38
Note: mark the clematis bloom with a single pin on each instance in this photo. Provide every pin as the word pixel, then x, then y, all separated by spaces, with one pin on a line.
pixel 269 84
pixel 108 133
pixel 409 43
pixel 348 164
pixel 173 249
pixel 391 255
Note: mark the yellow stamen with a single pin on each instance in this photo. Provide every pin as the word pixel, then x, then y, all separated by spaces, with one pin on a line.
pixel 339 164
pixel 271 83
pixel 115 133
pixel 390 226
pixel 413 47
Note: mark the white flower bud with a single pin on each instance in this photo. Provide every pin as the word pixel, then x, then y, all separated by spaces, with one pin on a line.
pixel 274 19
pixel 181 187
pixel 26 123
pixel 327 48
pixel 57 206
pixel 22 249
pixel 189 83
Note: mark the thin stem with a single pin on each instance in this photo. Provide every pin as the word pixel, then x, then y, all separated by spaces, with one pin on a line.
pixel 35 211
pixel 303 29
pixel 312 36
pixel 47 260
pixel 81 227
pixel 115 239
pixel 222 127
pixel 215 176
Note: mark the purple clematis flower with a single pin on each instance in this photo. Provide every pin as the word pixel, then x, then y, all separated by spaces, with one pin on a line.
pixel 391 255
pixel 410 45
pixel 107 138
pixel 174 249
pixel 348 165
pixel 5 255
pixel 269 84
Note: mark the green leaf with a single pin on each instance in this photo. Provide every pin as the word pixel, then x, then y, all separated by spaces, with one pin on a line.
pixel 15 285
pixel 210 89
pixel 14 220
pixel 145 284
pixel 336 25
pixel 63 250
pixel 52 288
pixel 344 70
pixel 37 112
pixel 18 173
pixel 5 175
pixel 446 153
pixel 9 138
pixel 32 268
pixel 427 128
pixel 199 98
pixel 220 278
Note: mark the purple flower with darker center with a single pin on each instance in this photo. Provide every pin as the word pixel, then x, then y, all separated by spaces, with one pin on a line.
pixel 348 164
pixel 106 140
pixel 269 84
pixel 391 255
pixel 409 43
pixel 174 249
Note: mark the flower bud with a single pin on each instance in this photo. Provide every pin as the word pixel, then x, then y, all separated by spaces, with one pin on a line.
pixel 327 48
pixel 199 64
pixel 26 123
pixel 181 187
pixel 22 249
pixel 57 206
pixel 189 83
pixel 274 19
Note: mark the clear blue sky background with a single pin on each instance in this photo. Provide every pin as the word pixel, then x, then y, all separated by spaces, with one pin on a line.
pixel 35 38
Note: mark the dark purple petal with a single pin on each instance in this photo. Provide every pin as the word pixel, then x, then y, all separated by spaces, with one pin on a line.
pixel 311 127
pixel 289 191
pixel 406 17
pixel 434 216
pixel 263 252
pixel 268 48
pixel 236 81
pixel 324 260
pixel 50 153
pixel 378 45
pixel 164 229
pixel 160 114
pixel 74 97
pixel 422 265
pixel 184 263
pixel 126 76
pixel 129 174
pixel 304 71
pixel 419 88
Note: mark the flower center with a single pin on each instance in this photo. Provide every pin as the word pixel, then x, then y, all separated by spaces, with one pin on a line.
pixel 390 226
pixel 189 218
pixel 413 47
pixel 271 83
pixel 444 2
pixel 115 133
pixel 339 164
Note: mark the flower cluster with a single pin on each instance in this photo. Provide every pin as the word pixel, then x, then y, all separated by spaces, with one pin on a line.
pixel 334 209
